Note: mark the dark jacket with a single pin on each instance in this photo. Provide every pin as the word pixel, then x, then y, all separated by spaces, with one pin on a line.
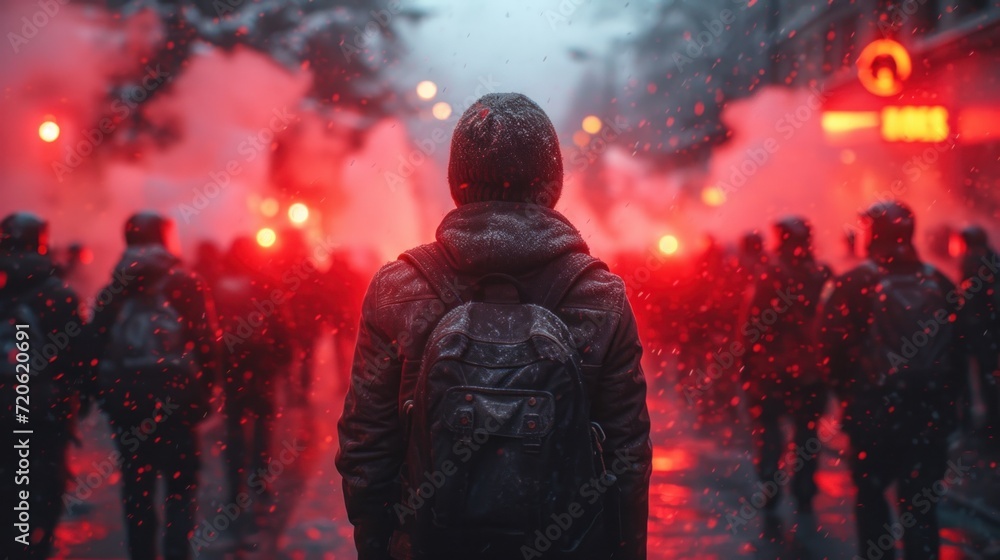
pixel 56 366
pixel 154 267
pixel 256 333
pixel 399 312
pixel 780 328
pixel 844 339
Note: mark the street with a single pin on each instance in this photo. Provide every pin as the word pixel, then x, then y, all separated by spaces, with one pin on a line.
pixel 701 495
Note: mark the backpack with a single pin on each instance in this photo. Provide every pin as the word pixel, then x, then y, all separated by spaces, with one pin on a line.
pixel 910 336
pixel 147 364
pixel 41 400
pixel 500 443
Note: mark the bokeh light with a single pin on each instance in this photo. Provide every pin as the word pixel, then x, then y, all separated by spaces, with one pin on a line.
pixel 269 207
pixel 441 110
pixel 713 196
pixel 427 89
pixel 669 244
pixel 266 237
pixel 591 124
pixel 298 213
pixel 48 131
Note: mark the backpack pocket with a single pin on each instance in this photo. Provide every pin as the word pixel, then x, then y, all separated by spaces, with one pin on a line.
pixel 496 438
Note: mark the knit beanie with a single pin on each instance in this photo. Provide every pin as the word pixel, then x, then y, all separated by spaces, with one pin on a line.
pixel 505 148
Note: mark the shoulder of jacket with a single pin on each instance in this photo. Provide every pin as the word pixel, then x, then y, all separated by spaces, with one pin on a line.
pixel 398 281
pixel 598 289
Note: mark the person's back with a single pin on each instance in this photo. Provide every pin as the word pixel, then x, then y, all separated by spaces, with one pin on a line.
pixel 781 371
pixel 782 312
pixel 888 334
pixel 255 324
pixel 154 340
pixel 505 174
pixel 257 353
pixel 39 344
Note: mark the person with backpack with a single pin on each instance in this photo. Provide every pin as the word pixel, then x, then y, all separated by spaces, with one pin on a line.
pixel 889 337
pixel 497 406
pixel 39 342
pixel 257 345
pixel 782 371
pixel 981 311
pixel 157 358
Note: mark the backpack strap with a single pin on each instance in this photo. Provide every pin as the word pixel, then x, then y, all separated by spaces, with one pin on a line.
pixel 563 274
pixel 429 259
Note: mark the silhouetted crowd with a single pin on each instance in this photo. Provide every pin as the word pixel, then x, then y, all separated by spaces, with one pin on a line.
pixel 907 355
pixel 902 355
pixel 165 346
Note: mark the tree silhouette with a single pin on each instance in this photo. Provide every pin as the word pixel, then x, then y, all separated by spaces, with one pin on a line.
pixel 346 45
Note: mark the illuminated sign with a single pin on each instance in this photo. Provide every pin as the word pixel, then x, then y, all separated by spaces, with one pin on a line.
pixel 915 124
pixel 883 66
pixel 907 123
pixel 842 122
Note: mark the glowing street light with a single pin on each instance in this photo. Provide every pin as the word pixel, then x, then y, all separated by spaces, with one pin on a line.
pixel 298 213
pixel 48 131
pixel 441 110
pixel 427 89
pixel 713 196
pixel 591 124
pixel 266 237
pixel 669 245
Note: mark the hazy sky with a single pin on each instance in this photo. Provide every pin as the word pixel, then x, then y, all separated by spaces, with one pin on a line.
pixel 522 46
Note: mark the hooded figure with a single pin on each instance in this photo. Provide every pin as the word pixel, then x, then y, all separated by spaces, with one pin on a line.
pixel 39 342
pixel 782 371
pixel 889 337
pixel 154 339
pixel 505 175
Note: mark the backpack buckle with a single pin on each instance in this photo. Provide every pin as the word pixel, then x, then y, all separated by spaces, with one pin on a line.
pixel 532 426
pixel 466 423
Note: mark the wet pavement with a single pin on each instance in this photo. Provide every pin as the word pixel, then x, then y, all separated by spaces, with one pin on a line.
pixel 701 497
